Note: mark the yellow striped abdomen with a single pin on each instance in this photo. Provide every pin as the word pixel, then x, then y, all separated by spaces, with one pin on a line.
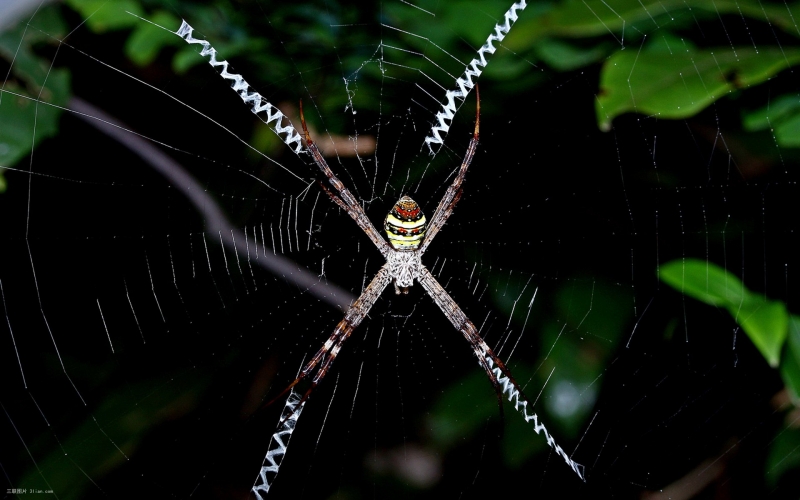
pixel 405 224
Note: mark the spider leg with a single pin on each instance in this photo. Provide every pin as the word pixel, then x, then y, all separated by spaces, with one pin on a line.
pixel 453 193
pixel 334 340
pixel 345 198
pixel 323 359
pixel 327 358
pixel 497 371
pixel 333 197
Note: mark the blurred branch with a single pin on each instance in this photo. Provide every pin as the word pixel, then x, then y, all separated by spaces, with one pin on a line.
pixel 216 222
pixel 690 485
pixel 11 11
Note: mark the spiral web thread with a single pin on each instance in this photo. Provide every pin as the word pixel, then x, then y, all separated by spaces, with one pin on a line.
pixel 260 107
pixel 465 83
pixel 521 405
pixel 277 445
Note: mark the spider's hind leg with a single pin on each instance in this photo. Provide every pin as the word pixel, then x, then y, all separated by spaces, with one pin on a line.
pixel 476 346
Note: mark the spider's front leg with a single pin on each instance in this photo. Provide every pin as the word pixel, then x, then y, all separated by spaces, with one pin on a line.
pixel 453 193
pixel 343 197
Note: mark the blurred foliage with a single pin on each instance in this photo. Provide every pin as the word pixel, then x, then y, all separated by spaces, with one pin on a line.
pixel 117 428
pixel 669 75
pixel 769 326
pixel 31 79
pixel 641 81
pixel 781 117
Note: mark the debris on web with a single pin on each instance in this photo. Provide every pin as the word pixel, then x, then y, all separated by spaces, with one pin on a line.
pixel 464 83
pixel 259 105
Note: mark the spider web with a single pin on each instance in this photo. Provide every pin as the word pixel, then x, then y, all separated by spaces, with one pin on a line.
pixel 169 263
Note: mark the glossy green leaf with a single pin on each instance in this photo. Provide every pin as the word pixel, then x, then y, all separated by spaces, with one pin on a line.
pixel 766 323
pixel 682 83
pixel 704 281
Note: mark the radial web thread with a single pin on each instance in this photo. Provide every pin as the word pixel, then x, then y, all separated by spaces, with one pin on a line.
pixel 260 107
pixel 465 84
pixel 277 445
pixel 521 405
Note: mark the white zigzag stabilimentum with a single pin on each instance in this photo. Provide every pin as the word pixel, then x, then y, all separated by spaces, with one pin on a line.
pixel 277 445
pixel 521 405
pixel 464 83
pixel 260 107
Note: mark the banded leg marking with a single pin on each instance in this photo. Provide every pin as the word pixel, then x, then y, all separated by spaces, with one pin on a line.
pixel 499 374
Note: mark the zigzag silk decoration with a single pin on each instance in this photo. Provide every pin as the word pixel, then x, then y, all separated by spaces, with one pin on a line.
pixel 465 84
pixel 259 105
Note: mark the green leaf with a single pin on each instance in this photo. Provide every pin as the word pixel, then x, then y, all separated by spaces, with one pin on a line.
pixel 584 18
pixel 704 281
pixel 185 59
pixel 102 15
pixel 147 39
pixel 766 323
pixel 682 83
pixel 564 56
pixel 25 122
pixel 781 116
pixel 784 455
pixel 779 109
pixel 787 132
pixel 790 365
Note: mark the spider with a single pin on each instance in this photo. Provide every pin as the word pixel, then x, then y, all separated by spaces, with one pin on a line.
pixel 409 234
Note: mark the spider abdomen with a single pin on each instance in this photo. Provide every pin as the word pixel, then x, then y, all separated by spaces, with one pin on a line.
pixel 405 224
